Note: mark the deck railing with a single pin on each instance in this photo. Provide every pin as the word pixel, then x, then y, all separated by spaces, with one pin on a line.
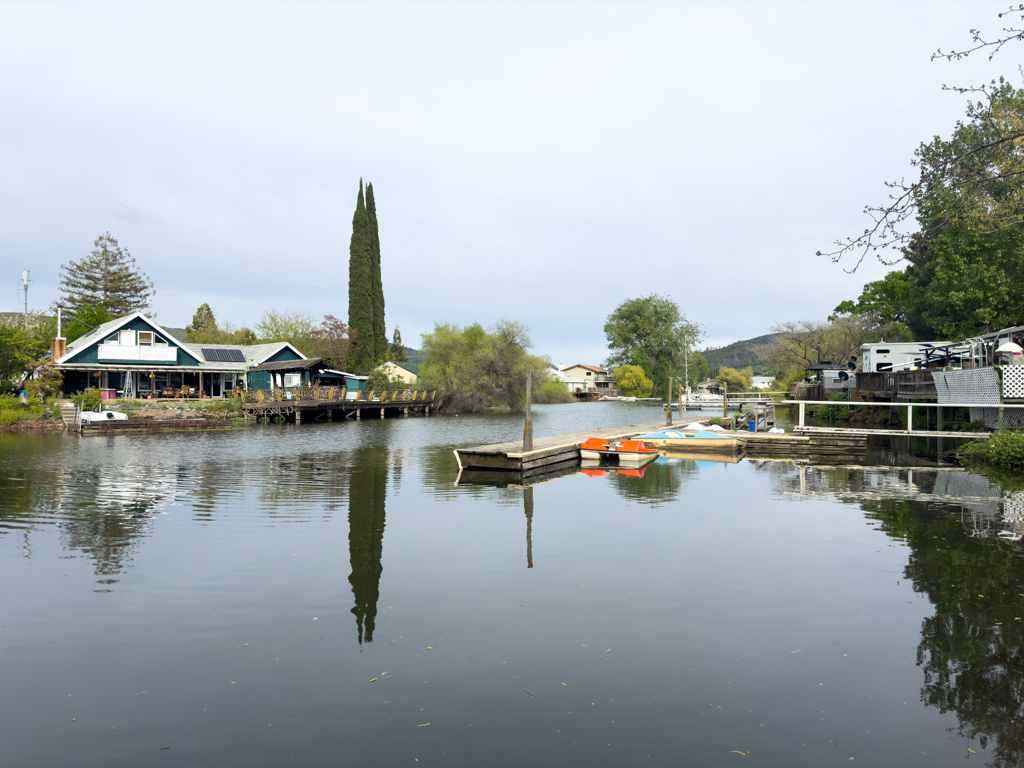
pixel 335 394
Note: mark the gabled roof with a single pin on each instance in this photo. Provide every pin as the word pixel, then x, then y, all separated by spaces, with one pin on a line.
pixel 398 365
pixel 277 345
pixel 594 368
pixel 100 332
pixel 254 354
pixel 306 364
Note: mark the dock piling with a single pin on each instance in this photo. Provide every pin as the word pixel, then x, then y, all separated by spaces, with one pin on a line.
pixel 668 404
pixel 528 427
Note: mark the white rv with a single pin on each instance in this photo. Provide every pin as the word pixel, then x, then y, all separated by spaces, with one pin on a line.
pixel 898 356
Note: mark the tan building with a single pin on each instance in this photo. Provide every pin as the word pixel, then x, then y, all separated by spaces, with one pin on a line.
pixel 396 370
pixel 596 379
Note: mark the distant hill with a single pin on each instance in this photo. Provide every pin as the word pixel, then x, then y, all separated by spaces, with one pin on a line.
pixel 739 354
pixel 415 358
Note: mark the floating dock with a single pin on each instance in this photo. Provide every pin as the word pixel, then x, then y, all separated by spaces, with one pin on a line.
pixel 550 454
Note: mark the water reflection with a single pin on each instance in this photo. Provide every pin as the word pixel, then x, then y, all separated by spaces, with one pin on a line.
pixel 368 480
pixel 963 532
pixel 972 648
pixel 528 508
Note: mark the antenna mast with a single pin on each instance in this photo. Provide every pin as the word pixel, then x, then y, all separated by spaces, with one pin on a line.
pixel 24 279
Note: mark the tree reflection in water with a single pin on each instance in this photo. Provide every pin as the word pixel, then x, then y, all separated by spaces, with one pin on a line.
pixel 367 491
pixel 972 648
pixel 956 526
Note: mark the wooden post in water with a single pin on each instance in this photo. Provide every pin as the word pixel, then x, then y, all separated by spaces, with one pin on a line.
pixel 528 426
pixel 725 400
pixel 668 404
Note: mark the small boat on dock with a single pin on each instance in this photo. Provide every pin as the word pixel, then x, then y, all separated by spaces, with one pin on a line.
pixel 703 441
pixel 633 452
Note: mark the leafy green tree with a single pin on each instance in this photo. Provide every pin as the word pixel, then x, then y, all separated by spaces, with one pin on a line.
pixel 964 282
pixel 17 348
pixel 548 388
pixel 474 369
pixel 361 286
pixel 396 352
pixel 46 383
pixel 631 381
pixel 380 331
pixel 296 328
pixel 106 278
pixel 887 303
pixel 380 380
pixel 85 319
pixel 738 381
pixel 652 333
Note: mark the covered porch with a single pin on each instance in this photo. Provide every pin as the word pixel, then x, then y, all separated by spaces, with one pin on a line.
pixel 186 383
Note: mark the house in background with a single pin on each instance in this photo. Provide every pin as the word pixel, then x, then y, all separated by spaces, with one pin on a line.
pixel 572 383
pixel 132 356
pixel 596 379
pixel 397 370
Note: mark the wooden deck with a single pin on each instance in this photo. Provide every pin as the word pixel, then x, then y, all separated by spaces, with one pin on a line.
pixel 300 404
pixel 550 454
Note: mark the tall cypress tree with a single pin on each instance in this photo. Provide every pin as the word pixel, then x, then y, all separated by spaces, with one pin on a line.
pixel 380 331
pixel 360 286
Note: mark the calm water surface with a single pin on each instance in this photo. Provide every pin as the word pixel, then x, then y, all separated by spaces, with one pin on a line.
pixel 326 594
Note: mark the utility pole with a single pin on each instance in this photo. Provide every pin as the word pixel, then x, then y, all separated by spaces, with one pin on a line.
pixel 24 279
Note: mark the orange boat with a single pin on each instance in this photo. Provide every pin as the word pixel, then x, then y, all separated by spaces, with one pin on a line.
pixel 625 451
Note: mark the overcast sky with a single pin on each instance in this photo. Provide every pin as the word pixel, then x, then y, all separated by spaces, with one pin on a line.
pixel 534 161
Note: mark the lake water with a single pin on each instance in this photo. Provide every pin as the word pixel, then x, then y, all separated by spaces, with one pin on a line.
pixel 325 594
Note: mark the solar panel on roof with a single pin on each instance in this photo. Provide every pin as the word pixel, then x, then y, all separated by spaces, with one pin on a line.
pixel 223 355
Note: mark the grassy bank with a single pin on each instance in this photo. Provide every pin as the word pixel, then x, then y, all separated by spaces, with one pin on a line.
pixel 1004 450
pixel 13 412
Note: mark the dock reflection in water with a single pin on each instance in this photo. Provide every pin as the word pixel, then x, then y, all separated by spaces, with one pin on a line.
pixel 796 613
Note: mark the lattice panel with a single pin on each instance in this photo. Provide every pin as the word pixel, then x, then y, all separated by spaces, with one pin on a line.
pixel 972 385
pixel 1013 381
pixel 1013 507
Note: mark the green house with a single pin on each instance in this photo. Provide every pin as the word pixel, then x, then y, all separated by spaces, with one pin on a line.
pixel 132 357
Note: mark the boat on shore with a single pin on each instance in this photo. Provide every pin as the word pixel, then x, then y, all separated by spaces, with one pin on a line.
pixel 633 452
pixel 703 441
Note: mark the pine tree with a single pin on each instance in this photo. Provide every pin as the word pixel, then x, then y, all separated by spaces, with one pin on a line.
pixel 203 328
pixel 396 352
pixel 360 286
pixel 380 331
pixel 106 278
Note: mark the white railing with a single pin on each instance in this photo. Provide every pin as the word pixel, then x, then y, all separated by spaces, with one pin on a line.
pixel 144 354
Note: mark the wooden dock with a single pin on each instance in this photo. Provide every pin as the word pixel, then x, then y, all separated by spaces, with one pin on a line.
pixel 551 454
pixel 149 426
pixel 311 403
